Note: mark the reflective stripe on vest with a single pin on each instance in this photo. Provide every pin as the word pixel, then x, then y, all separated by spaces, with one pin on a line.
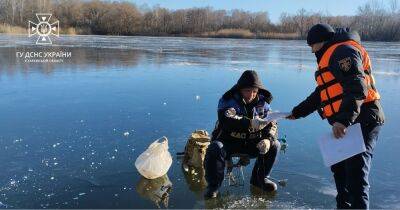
pixel 331 91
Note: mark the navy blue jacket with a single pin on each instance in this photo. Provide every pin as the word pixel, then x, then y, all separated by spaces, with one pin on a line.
pixel 236 127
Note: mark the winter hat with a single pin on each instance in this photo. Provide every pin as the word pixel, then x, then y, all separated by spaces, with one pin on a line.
pixel 319 33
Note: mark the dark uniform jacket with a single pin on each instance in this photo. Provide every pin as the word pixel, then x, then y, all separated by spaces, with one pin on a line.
pixel 352 109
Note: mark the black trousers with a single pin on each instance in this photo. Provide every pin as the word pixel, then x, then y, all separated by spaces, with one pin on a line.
pixel 218 152
pixel 351 175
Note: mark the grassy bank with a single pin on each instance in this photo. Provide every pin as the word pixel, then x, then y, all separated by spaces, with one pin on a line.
pixel 247 34
pixel 224 33
pixel 75 31
pixel 8 29
pixel 230 33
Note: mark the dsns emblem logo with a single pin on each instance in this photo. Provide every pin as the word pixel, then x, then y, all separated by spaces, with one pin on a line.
pixel 43 28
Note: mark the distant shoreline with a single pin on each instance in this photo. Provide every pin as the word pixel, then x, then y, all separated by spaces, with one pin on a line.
pixel 188 36
pixel 100 17
pixel 223 33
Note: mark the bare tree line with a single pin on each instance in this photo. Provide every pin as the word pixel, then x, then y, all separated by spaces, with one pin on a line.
pixel 373 20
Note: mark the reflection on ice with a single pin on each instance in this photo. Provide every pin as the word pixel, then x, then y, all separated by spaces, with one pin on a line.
pixel 156 190
pixel 132 51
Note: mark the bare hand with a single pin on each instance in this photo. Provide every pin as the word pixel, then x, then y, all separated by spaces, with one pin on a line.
pixel 339 130
pixel 291 117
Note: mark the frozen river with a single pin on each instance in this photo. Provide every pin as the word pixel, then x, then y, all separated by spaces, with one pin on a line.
pixel 63 126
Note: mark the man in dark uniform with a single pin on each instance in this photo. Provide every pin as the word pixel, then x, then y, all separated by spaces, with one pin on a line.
pixel 345 95
pixel 241 129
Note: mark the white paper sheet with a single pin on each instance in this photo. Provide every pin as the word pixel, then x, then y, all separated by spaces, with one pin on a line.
pixel 274 116
pixel 335 150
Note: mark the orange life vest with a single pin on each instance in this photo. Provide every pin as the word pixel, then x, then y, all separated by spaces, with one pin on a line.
pixel 331 91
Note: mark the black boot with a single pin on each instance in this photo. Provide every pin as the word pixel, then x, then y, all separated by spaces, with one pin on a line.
pixel 211 192
pixel 265 184
pixel 214 165
pixel 269 185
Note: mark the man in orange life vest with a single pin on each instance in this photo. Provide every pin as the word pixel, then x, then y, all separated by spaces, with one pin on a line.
pixel 345 95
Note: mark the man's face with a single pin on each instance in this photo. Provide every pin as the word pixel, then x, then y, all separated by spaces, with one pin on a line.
pixel 249 94
pixel 316 47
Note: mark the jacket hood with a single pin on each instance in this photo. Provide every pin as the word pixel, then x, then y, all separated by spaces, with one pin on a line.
pixel 235 90
pixel 345 34
pixel 249 78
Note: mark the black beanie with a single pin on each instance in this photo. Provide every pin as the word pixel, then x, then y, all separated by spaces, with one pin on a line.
pixel 319 33
pixel 249 79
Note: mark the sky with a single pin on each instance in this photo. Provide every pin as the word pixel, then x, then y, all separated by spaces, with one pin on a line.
pixel 273 7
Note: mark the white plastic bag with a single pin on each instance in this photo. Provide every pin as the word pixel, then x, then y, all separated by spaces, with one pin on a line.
pixel 156 160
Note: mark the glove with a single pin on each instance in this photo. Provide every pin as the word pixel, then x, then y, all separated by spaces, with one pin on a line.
pixel 273 130
pixel 263 146
pixel 258 124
